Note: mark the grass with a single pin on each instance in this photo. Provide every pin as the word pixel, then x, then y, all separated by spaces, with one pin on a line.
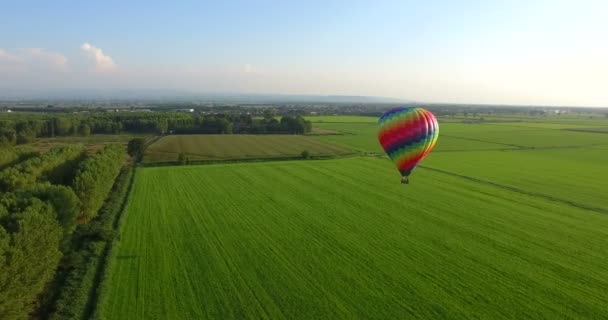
pixel 593 129
pixel 342 239
pixel 363 137
pixel 358 136
pixel 92 143
pixel 503 220
pixel 222 147
pixel 472 137
pixel 578 175
pixel 344 119
pixel 542 158
pixel 532 137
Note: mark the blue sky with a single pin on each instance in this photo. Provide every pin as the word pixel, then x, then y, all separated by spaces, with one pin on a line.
pixel 514 52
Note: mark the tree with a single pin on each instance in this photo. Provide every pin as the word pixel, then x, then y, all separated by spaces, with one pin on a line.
pixel 26 136
pixel 63 126
pixel 29 253
pixel 268 114
pixel 136 148
pixel 64 201
pixel 84 129
pixel 182 158
pixel 305 154
pixel 95 177
pixel 161 126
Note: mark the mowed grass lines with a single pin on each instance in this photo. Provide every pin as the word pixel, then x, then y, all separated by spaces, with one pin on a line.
pixel 577 175
pixel 470 137
pixel 364 137
pixel 222 147
pixel 343 239
pixel 352 119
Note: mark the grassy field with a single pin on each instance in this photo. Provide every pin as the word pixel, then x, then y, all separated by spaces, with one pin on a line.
pixel 576 175
pixel 349 119
pixel 502 220
pixel 543 158
pixel 221 147
pixel 342 239
pixel 363 137
pixel 92 143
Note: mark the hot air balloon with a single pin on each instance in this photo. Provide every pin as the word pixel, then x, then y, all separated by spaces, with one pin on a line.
pixel 407 135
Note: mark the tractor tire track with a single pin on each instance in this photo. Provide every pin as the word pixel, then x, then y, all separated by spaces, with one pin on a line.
pixel 479 140
pixel 520 191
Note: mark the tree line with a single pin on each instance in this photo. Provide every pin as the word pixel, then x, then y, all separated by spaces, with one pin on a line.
pixel 21 129
pixel 43 200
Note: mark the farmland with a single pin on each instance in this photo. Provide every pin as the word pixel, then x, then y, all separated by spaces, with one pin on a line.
pixel 92 143
pixel 222 147
pixel 342 239
pixel 503 220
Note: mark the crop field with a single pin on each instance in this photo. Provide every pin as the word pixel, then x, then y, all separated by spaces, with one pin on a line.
pixel 363 137
pixel 576 175
pixel 92 143
pixel 348 119
pixel 533 137
pixel 474 137
pixel 221 147
pixel 502 220
pixel 541 158
pixel 342 239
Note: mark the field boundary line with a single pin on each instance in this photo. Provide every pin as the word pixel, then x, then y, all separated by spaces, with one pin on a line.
pixel 106 259
pixel 520 191
pixel 589 130
pixel 245 160
pixel 499 143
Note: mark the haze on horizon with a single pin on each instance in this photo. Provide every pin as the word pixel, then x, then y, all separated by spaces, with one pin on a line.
pixel 495 52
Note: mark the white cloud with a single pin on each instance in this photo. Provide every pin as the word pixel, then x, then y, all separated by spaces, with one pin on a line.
pixel 6 56
pixel 31 59
pixel 41 55
pixel 103 62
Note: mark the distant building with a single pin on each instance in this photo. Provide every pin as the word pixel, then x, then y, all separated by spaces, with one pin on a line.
pixel 184 110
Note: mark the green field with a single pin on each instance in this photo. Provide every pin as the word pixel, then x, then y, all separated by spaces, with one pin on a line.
pixel 363 137
pixel 92 143
pixel 222 147
pixel 576 175
pixel 503 220
pixel 342 239
pixel 349 119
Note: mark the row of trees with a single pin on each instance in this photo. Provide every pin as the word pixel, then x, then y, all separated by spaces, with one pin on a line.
pixel 22 129
pixel 91 246
pixel 10 156
pixel 41 202
pixel 55 165
pixel 95 177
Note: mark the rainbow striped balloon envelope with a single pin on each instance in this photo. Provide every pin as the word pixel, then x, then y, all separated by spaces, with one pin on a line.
pixel 407 135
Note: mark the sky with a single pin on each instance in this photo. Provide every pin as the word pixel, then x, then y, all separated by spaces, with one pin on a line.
pixel 497 52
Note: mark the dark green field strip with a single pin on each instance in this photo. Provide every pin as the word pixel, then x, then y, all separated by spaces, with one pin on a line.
pixel 529 193
pixel 483 141
pixel 462 137
pixel 342 239
pixel 593 130
pixel 532 138
pixel 210 147
pixel 576 175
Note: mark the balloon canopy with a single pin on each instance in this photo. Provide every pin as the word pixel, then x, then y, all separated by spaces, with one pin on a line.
pixel 407 136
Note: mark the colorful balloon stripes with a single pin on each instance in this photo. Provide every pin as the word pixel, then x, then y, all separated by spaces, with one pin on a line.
pixel 408 135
